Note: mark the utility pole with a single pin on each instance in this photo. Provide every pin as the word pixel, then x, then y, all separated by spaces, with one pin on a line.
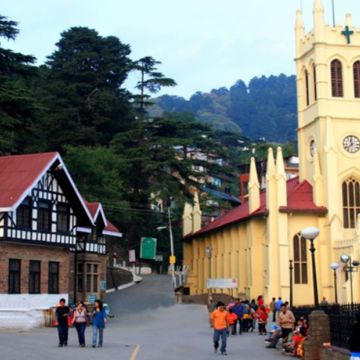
pixel 172 265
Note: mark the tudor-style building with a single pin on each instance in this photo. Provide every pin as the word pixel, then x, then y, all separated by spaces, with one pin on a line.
pixel 47 230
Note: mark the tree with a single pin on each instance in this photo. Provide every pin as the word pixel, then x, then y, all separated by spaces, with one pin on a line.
pixel 17 106
pixel 82 95
pixel 151 80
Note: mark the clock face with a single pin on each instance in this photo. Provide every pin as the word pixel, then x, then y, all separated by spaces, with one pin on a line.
pixel 351 144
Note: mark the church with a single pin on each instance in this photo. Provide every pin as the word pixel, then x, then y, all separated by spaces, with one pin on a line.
pixel 260 243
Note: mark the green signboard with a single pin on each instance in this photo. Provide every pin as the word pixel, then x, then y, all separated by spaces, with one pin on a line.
pixel 148 248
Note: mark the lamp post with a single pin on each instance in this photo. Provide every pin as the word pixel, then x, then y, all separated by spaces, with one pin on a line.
pixel 311 233
pixel 291 267
pixel 208 253
pixel 334 266
pixel 350 267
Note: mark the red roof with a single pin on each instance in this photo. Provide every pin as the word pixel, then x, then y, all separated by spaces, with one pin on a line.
pixel 299 199
pixel 19 173
pixel 93 207
pixel 111 227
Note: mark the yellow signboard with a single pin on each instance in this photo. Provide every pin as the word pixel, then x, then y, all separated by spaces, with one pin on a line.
pixel 172 259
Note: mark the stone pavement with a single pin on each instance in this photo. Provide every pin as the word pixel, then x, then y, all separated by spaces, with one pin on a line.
pixel 141 330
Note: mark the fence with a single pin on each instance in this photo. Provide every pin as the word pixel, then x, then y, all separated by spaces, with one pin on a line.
pixel 342 318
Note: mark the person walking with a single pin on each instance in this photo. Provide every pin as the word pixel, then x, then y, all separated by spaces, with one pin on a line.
pixel 273 309
pixel 98 323
pixel 62 317
pixel 231 319
pixel 286 321
pixel 262 317
pixel 79 321
pixel 220 324
pixel 238 309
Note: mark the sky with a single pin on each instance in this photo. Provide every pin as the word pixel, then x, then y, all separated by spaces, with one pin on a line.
pixel 202 44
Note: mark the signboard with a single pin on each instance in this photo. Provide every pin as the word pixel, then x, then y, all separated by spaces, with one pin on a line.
pixel 91 299
pixel 172 260
pixel 132 256
pixel 159 258
pixel 222 284
pixel 148 248
pixel 103 285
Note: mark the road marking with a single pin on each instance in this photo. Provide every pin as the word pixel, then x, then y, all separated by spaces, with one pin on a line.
pixel 135 352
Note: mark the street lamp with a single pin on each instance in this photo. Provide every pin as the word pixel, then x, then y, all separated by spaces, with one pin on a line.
pixel 311 233
pixel 334 266
pixel 350 267
pixel 291 267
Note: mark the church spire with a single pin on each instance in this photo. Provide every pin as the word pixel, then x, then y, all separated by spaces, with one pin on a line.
pixel 319 20
pixel 254 187
pixel 187 219
pixel 270 170
pixel 299 26
pixel 280 178
pixel 196 214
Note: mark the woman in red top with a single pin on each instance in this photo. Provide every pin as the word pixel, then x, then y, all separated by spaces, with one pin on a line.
pixel 231 318
pixel 262 317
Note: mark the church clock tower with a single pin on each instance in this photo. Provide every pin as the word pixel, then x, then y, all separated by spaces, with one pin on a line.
pixel 328 90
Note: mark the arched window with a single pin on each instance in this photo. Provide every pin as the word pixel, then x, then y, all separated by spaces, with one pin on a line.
pixel 300 260
pixel 351 201
pixel 307 88
pixel 356 70
pixel 336 79
pixel 314 78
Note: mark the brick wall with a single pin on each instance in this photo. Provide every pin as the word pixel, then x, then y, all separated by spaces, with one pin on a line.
pixel 25 253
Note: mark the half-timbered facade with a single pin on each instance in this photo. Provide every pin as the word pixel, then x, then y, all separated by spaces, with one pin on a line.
pixel 42 215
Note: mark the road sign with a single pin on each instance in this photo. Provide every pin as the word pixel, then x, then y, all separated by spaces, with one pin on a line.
pixel 148 248
pixel 222 283
pixel 159 258
pixel 172 260
pixel 132 256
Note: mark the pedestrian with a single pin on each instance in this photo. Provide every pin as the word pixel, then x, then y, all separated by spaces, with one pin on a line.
pixel 278 304
pixel 273 309
pixel 260 300
pixel 62 317
pixel 98 323
pixel 286 321
pixel 238 309
pixel 231 319
pixel 354 343
pixel 324 302
pixel 253 308
pixel 220 325
pixel 79 321
pixel 262 317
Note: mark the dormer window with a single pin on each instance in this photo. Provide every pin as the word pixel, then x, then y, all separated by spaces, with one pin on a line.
pixel 23 214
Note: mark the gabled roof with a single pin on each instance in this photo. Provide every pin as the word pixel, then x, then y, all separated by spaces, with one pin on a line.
pixel 96 209
pixel 299 199
pixel 19 174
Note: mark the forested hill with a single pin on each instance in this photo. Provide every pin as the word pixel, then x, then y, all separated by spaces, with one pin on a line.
pixel 265 108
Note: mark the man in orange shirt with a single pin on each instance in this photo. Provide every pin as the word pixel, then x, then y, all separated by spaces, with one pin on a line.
pixel 220 324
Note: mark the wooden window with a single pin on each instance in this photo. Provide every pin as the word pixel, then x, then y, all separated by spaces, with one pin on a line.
pixel 63 217
pixel 336 79
pixel 356 70
pixel 53 277
pixel 14 276
pixel 23 214
pixel 315 85
pixel 44 215
pixel 92 278
pixel 300 260
pixel 307 88
pixel 34 277
pixel 351 202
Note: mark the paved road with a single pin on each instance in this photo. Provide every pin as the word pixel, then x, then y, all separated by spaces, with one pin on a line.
pixel 148 325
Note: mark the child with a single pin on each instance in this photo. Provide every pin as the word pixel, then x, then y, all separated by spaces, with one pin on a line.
pixel 98 322
pixel 262 317
pixel 231 319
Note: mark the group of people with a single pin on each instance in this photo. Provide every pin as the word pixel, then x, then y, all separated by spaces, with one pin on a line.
pixel 242 316
pixel 80 318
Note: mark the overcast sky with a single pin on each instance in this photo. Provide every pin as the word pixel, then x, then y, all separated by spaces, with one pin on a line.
pixel 203 44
